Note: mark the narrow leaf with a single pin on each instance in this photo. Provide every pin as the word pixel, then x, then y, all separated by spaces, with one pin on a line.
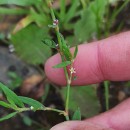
pixel 77 115
pixel 24 22
pixel 31 102
pixel 71 11
pixel 11 96
pixel 4 104
pixel 13 11
pixel 8 116
pixel 65 49
pixel 62 9
pixel 63 64
pixel 49 43
pixel 20 2
pixel 75 52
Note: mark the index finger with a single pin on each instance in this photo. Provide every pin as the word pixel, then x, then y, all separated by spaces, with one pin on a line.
pixel 107 59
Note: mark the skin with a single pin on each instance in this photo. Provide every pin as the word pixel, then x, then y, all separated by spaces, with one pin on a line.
pixel 108 59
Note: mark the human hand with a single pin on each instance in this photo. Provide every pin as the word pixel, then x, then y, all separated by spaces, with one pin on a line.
pixel 107 59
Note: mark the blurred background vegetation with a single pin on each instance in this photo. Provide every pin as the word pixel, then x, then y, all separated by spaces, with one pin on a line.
pixel 24 24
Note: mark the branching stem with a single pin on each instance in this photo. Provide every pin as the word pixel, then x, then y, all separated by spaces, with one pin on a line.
pixel 67 75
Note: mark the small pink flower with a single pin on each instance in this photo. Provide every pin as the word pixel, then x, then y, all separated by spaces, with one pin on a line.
pixel 55 22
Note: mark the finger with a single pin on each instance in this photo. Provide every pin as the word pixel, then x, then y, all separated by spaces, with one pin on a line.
pixel 117 118
pixel 107 59
pixel 78 125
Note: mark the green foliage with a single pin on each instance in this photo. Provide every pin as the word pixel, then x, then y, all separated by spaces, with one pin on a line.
pixel 49 43
pixel 75 52
pixel 86 98
pixel 15 82
pixel 27 120
pixel 20 2
pixel 8 116
pixel 28 45
pixel 31 102
pixel 10 11
pixel 4 104
pixel 72 10
pixel 17 103
pixel 65 49
pixel 11 96
pixel 91 21
pixel 63 64
pixel 77 115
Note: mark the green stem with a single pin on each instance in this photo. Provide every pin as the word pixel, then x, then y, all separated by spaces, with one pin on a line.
pixel 83 3
pixel 52 109
pixel 67 117
pixel 106 85
pixel 65 69
pixel 43 109
pixel 67 98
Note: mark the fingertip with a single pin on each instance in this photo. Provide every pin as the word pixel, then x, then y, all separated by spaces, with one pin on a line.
pixel 55 75
pixel 78 125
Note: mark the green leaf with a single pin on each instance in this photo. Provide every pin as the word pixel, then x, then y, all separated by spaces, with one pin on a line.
pixel 27 120
pixel 91 21
pixel 49 43
pixel 77 115
pixel 72 10
pixel 75 52
pixel 11 96
pixel 8 116
pixel 13 11
pixel 4 104
pixel 85 97
pixel 63 64
pixel 62 9
pixel 31 102
pixel 27 43
pixel 40 19
pixel 65 49
pixel 20 2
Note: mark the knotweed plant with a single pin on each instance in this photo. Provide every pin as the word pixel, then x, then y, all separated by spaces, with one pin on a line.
pixel 18 103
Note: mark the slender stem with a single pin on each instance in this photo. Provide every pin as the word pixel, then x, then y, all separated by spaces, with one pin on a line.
pixel 68 79
pixel 52 109
pixel 67 117
pixel 83 3
pixel 67 98
pixel 44 109
pixel 68 89
pixel 106 85
pixel 22 109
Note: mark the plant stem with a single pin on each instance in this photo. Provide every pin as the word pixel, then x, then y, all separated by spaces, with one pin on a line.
pixel 44 109
pixel 83 3
pixel 52 109
pixel 68 79
pixel 106 85
pixel 68 89
pixel 67 118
